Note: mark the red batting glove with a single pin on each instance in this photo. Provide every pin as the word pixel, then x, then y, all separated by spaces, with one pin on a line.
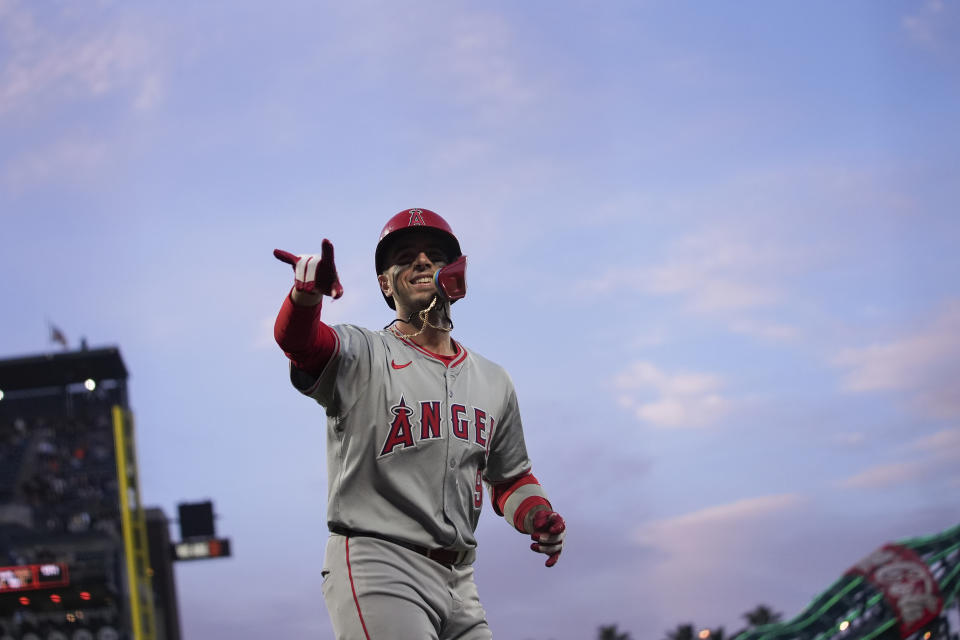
pixel 313 273
pixel 548 533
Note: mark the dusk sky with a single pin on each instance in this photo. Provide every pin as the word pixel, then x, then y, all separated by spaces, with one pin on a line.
pixel 714 244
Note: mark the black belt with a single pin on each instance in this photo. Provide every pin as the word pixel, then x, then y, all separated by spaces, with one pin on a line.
pixel 447 557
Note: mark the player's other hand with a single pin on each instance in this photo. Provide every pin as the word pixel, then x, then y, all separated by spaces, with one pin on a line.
pixel 314 274
pixel 548 533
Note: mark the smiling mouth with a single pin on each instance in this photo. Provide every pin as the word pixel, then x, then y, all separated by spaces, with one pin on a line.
pixel 422 280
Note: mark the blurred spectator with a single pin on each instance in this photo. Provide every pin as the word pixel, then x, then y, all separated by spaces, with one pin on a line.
pixel 64 469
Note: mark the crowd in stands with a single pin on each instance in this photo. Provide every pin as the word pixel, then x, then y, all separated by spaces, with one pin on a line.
pixel 61 471
pixel 94 625
pixel 64 470
pixel 13 444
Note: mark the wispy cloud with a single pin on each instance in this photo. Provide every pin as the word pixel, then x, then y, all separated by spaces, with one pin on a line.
pixel 71 160
pixel 50 60
pixel 884 476
pixel 713 522
pixel 925 364
pixel 707 551
pixel 712 272
pixel 930 456
pixel 943 445
pixel 470 58
pixel 925 25
pixel 681 400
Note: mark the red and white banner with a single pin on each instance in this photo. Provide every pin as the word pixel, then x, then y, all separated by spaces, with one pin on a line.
pixel 906 583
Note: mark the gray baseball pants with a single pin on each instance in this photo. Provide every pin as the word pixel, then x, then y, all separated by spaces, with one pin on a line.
pixel 377 590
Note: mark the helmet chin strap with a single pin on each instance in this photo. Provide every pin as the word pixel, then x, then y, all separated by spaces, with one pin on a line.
pixel 424 321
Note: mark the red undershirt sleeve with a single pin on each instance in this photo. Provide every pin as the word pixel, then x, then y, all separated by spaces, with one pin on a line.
pixel 304 338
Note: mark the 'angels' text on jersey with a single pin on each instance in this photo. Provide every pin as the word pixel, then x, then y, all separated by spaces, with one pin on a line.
pixel 411 438
pixel 470 425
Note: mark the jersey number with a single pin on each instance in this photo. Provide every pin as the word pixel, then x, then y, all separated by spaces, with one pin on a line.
pixel 478 491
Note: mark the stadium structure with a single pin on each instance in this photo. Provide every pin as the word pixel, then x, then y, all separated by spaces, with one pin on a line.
pixel 76 560
pixel 904 590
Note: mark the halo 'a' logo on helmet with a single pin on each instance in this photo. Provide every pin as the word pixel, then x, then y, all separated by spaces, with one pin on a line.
pixel 416 218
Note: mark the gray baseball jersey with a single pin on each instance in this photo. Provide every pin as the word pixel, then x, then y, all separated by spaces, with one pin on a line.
pixel 410 439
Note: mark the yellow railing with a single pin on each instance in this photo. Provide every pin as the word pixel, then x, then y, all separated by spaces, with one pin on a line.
pixel 136 551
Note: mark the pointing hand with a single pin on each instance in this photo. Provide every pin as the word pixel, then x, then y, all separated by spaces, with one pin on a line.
pixel 313 273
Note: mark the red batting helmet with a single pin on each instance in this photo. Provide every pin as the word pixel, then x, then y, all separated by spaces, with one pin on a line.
pixel 410 220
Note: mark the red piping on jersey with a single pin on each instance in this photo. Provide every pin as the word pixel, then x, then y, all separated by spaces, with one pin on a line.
pixel 449 361
pixel 354 590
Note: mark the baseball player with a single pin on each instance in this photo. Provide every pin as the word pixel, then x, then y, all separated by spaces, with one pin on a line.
pixel 416 424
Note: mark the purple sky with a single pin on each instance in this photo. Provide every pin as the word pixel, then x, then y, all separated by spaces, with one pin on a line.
pixel 715 247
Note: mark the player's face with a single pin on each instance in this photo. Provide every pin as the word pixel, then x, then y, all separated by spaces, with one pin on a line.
pixel 413 260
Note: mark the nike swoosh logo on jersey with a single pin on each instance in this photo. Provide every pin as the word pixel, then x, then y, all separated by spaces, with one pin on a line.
pixel 400 366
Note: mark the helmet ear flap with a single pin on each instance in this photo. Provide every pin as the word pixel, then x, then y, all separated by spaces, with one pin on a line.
pixel 451 280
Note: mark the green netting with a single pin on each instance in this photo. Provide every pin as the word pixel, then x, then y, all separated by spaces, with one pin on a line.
pixel 945 586
pixel 918 541
pixel 882 628
pixel 939 556
pixel 949 588
pixel 800 621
